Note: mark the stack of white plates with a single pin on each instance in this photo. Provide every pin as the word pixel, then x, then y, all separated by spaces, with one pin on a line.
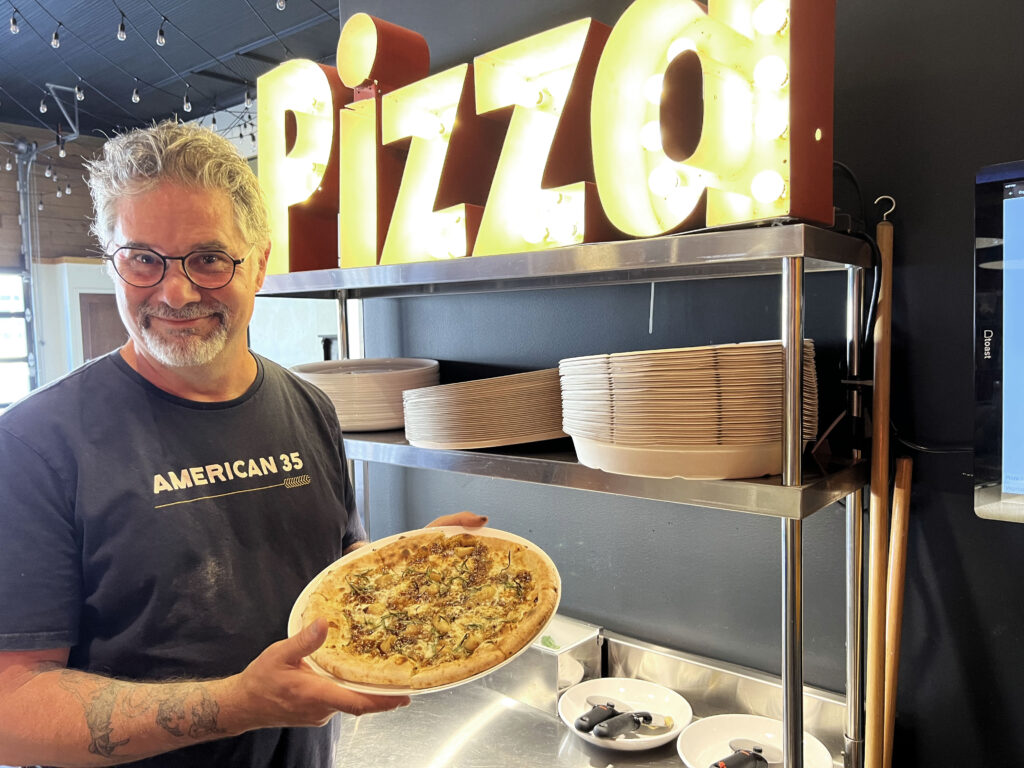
pixel 503 410
pixel 700 412
pixel 367 394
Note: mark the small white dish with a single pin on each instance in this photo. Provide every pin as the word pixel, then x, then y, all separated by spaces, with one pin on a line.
pixel 705 741
pixel 638 695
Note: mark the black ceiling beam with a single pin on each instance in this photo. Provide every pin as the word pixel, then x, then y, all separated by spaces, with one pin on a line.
pixel 271 60
pixel 218 76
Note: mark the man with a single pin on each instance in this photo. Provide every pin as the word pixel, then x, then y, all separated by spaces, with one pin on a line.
pixel 163 506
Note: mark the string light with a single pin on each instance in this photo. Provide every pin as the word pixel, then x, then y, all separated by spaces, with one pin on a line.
pixel 79 93
pixel 7 165
pixel 281 4
pixel 122 35
pixel 55 40
pixel 161 39
pixel 213 122
pixel 135 92
pixel 42 105
pixel 40 206
pixel 67 189
pixel 49 171
pixel 15 29
pixel 186 104
pixel 62 152
pixel 248 99
pixel 60 193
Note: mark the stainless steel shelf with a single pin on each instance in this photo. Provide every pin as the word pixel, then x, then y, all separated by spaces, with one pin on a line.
pixel 558 467
pixel 696 255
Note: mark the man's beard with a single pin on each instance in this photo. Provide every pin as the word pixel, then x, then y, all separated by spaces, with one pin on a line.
pixel 184 348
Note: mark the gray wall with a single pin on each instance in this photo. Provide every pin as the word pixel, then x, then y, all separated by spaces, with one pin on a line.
pixel 926 93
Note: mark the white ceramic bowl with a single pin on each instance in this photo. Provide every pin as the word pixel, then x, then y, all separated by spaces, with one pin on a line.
pixel 638 695
pixel 703 742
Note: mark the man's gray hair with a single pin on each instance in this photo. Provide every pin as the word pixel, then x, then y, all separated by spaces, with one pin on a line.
pixel 182 153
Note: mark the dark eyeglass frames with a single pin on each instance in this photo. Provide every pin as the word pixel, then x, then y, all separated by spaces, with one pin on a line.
pixel 145 268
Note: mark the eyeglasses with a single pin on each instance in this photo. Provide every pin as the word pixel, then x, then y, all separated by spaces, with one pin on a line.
pixel 145 268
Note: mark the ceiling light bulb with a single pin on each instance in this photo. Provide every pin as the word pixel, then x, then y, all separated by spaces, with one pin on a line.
pixel 48 172
pixel 161 39
pixel 40 206
pixel 79 94
pixel 59 193
pixel 122 34
pixel 42 105
pixel 62 152
pixel 67 189
pixel 280 4
pixel 186 104
pixel 15 29
pixel 248 99
pixel 7 165
pixel 55 40
pixel 135 95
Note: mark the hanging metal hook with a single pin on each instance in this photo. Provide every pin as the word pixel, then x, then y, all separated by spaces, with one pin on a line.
pixel 891 199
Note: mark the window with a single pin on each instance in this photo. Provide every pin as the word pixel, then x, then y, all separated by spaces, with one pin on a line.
pixel 15 371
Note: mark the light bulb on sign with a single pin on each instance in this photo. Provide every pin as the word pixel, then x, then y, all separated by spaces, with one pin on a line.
pixel 772 120
pixel 767 187
pixel 678 46
pixel 650 136
pixel 771 73
pixel 771 17
pixel 664 180
pixel 653 87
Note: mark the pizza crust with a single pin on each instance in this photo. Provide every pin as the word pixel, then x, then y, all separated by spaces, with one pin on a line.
pixel 429 609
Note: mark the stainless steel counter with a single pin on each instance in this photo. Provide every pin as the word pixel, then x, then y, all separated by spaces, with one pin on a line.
pixel 474 727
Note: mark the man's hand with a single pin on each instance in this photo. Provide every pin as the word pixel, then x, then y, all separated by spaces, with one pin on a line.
pixel 465 519
pixel 279 689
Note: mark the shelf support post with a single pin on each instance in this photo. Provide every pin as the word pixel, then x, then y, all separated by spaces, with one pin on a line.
pixel 792 530
pixel 853 753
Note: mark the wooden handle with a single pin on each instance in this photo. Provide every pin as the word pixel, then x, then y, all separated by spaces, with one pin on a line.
pixel 878 521
pixel 894 598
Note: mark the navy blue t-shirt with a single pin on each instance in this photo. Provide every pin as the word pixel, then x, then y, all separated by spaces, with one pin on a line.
pixel 162 538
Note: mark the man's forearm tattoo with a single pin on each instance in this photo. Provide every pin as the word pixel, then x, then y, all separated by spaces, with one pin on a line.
pixel 185 710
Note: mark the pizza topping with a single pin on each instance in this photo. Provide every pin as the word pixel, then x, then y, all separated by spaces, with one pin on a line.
pixel 429 609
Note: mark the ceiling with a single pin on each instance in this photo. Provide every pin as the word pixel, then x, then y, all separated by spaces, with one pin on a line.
pixel 214 52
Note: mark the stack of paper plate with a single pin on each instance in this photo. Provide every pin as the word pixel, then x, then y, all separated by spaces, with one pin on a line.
pixel 367 394
pixel 699 412
pixel 503 410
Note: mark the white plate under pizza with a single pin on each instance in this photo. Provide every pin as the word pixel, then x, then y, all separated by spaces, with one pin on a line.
pixel 428 609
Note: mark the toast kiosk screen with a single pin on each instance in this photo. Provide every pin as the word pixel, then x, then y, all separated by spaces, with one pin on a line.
pixel 999 343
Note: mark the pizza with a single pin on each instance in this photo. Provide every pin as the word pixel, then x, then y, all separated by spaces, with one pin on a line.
pixel 430 609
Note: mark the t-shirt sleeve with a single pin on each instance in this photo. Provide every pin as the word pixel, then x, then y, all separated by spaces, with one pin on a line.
pixel 40 568
pixel 355 530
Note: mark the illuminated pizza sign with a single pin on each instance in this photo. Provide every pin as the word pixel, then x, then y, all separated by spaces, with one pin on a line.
pixel 679 117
